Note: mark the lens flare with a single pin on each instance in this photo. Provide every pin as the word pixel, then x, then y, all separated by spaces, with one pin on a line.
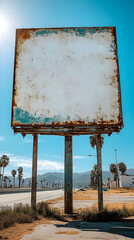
pixel 3 25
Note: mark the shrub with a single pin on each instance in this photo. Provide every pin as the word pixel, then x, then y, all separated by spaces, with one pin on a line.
pixel 6 217
pixel 115 214
pixel 46 211
pixel 25 214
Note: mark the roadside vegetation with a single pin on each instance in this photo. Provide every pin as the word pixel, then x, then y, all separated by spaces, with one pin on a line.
pixel 25 214
pixel 106 215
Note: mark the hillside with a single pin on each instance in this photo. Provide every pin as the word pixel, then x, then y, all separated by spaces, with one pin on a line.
pixel 78 178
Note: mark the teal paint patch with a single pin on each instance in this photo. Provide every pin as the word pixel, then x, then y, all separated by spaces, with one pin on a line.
pixel 80 32
pixel 68 118
pixel 92 30
pixel 66 30
pixel 112 47
pixel 23 117
pixel 46 32
pixel 103 29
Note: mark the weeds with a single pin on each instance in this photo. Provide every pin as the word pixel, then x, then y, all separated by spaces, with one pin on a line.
pixel 25 214
pixel 114 214
pixel 48 212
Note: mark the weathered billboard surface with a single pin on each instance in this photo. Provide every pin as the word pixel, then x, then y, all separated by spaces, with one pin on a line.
pixel 66 81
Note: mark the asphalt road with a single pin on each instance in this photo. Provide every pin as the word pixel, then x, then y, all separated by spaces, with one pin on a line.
pixel 11 199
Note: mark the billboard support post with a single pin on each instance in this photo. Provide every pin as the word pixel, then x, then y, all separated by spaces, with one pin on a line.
pixel 34 171
pixel 68 193
pixel 99 167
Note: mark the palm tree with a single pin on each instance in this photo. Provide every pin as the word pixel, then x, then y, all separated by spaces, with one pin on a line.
pixel 95 167
pixel 44 182
pixel 29 183
pixel 5 181
pixel 23 180
pixel 114 170
pixel 5 162
pixel 41 183
pixel 20 174
pixel 14 172
pixel 93 140
pixel 9 182
pixel 122 167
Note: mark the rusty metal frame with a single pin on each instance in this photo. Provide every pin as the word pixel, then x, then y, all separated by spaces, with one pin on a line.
pixel 63 131
pixel 69 128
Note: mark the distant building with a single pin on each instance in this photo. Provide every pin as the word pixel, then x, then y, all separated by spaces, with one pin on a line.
pixel 126 181
pixel 114 184
pixel 111 184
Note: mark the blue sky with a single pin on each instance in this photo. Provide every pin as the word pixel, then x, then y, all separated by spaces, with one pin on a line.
pixel 66 13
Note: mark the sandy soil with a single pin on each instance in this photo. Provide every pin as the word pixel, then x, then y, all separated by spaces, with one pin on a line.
pixel 16 232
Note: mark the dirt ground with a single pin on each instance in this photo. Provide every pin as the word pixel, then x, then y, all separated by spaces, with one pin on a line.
pixel 16 232
pixel 112 198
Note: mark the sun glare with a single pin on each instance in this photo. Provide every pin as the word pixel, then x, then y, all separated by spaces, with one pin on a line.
pixel 3 25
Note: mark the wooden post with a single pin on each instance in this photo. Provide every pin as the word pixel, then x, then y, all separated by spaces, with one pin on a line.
pixel 34 171
pixel 99 167
pixel 68 183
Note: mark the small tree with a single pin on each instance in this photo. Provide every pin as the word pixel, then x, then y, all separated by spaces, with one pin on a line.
pixel 122 167
pixel 114 170
pixel 14 172
pixel 20 174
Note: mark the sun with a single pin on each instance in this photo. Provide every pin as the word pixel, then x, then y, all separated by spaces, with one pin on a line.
pixel 3 25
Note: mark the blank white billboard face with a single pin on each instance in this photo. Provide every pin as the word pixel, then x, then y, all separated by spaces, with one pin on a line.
pixel 66 77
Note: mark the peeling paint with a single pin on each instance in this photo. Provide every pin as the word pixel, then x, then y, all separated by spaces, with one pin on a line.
pixel 66 76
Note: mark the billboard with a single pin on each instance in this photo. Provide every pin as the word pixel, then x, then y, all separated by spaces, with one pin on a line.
pixel 66 80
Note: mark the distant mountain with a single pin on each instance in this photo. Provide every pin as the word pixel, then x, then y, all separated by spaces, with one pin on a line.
pixel 78 178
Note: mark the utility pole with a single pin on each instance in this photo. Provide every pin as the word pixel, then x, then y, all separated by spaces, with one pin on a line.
pixel 99 167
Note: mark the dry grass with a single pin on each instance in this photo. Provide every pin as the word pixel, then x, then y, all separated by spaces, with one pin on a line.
pixel 121 191
pixel 116 205
pixel 25 214
pixel 108 213
pixel 85 195
pixel 91 194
